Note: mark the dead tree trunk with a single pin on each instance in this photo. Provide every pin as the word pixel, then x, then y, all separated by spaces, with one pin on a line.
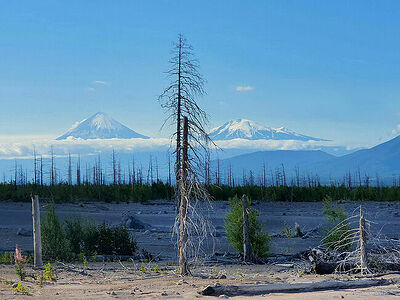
pixel 184 203
pixel 34 167
pixel 114 166
pixel 37 240
pixel 247 250
pixel 69 169
pixel 78 171
pixel 363 242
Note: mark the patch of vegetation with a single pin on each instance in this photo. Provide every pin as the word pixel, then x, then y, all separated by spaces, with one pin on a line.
pixel 115 241
pixel 41 279
pixel 156 269
pixel 79 239
pixel 85 262
pixel 287 231
pixel 234 228
pixel 19 263
pixel 19 269
pixel 143 269
pixel 54 240
pixel 21 289
pixel 49 275
pixel 7 258
pixel 338 236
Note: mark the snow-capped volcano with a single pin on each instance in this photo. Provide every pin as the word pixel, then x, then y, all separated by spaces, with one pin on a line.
pixel 100 126
pixel 246 129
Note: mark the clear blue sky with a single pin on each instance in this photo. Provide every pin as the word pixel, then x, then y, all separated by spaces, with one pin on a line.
pixel 323 68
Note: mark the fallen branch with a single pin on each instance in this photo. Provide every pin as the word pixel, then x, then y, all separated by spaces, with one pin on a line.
pixel 289 287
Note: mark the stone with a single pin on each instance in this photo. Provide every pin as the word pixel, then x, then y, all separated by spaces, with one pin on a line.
pixel 133 223
pixel 24 232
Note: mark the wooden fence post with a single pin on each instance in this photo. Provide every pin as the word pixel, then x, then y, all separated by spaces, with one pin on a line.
pixel 363 244
pixel 247 250
pixel 37 239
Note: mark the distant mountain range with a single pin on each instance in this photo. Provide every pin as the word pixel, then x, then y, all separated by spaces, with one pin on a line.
pixel 289 159
pixel 247 129
pixel 100 126
pixel 381 161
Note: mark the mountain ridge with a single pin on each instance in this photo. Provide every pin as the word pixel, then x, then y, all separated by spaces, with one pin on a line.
pixel 247 129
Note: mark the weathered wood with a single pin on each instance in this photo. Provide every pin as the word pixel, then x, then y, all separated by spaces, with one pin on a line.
pixel 247 250
pixel 322 268
pixel 184 203
pixel 37 240
pixel 363 242
pixel 259 289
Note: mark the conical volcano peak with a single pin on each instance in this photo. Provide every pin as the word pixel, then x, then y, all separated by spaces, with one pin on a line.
pixel 100 126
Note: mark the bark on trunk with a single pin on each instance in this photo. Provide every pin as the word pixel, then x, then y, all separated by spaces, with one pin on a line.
pixel 184 203
pixel 247 250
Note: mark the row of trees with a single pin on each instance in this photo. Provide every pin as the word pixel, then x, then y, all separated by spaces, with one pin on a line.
pixel 160 190
pixel 101 172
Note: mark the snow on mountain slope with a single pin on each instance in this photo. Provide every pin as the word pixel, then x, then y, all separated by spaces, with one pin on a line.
pixel 100 126
pixel 246 129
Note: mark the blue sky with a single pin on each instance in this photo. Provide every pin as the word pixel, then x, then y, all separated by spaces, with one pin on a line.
pixel 328 69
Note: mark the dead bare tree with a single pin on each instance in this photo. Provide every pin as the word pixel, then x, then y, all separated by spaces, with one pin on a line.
pixel 186 83
pixel 34 166
pixel 41 170
pixel 179 100
pixel 114 168
pixel 69 169
pixel 78 171
pixel 52 168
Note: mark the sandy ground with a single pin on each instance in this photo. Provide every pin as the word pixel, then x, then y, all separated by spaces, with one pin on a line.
pixel 114 281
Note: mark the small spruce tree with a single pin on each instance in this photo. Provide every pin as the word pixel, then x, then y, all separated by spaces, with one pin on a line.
pixel 259 240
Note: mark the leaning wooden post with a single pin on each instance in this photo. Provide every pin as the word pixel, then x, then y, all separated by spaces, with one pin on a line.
pixel 247 250
pixel 37 240
pixel 363 244
pixel 184 202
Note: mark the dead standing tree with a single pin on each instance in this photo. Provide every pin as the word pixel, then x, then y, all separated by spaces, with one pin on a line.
pixel 179 99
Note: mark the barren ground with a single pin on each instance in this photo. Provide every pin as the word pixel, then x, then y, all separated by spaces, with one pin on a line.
pixel 112 281
pixel 104 280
